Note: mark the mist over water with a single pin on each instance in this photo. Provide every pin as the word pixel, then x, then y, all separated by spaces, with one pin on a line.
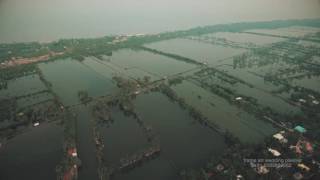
pixel 47 20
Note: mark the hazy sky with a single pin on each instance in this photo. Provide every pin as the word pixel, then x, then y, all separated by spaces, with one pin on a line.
pixel 44 20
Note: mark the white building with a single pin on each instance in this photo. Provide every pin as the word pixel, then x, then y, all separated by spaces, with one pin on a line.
pixel 274 152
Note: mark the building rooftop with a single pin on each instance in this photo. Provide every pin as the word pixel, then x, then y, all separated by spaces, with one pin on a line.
pixel 300 129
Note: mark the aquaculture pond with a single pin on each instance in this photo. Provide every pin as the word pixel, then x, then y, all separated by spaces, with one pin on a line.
pixel 294 31
pixel 34 99
pixel 85 143
pixel 68 77
pixel 148 63
pixel 243 38
pixel 250 78
pixel 202 52
pixel 262 96
pixel 184 142
pixel 122 138
pixel 268 99
pixel 312 82
pixel 101 67
pixel 23 86
pixel 243 125
pixel 34 154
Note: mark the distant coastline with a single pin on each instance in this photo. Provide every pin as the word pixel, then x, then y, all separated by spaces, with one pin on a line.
pixel 15 54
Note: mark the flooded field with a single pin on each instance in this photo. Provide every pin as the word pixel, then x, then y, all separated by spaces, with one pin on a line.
pixel 23 86
pixel 246 127
pixel 184 142
pixel 85 144
pixel 150 64
pixel 243 38
pixel 201 52
pixel 181 107
pixel 33 100
pixel 118 137
pixel 74 77
pixel 308 82
pixel 295 31
pixel 250 78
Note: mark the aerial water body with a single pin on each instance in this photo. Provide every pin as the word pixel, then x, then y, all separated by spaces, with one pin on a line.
pixel 46 20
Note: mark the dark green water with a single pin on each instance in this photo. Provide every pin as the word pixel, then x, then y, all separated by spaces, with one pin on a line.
pixel 33 154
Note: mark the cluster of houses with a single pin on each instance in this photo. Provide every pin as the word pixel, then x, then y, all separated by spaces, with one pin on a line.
pixel 288 155
pixel 123 38
pixel 310 99
pixel 289 143
pixel 72 171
